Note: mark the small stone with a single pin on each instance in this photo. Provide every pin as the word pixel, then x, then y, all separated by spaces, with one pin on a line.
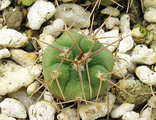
pixel 12 38
pixel 45 41
pixel 106 38
pixel 54 29
pixel 68 114
pixel 146 75
pixel 133 92
pixel 16 77
pixel 124 23
pixel 73 13
pixel 127 43
pixel 150 14
pixel 121 110
pixel 130 116
pixel 13 18
pixel 4 4
pixel 112 22
pixel 109 10
pixel 33 87
pixel 13 108
pixel 42 110
pixel 100 108
pixel 23 58
pixel 48 96
pixel 38 13
pixel 149 3
pixel 147 114
pixel 143 55
pixel 152 101
pixel 5 117
pixel 4 53
pixel 25 98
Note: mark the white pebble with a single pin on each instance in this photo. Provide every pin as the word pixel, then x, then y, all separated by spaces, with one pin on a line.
pixel 124 23
pixel 143 55
pixel 33 87
pixel 4 4
pixel 4 53
pixel 22 57
pixel 123 108
pixel 106 38
pixel 42 110
pixel 130 116
pixel 48 96
pixel 112 22
pixel 45 39
pixel 109 10
pixel 13 108
pixel 73 13
pixel 12 38
pixel 68 114
pixel 55 29
pixel 92 111
pixel 150 14
pixel 40 12
pixel 149 3
pixel 147 114
pixel 123 66
pixel 5 117
pixel 16 78
pixel 146 75
pixel 152 101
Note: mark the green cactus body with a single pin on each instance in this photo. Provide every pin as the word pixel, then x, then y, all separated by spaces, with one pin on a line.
pixel 77 75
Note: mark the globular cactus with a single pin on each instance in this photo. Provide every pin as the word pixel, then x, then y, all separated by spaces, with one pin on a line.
pixel 77 67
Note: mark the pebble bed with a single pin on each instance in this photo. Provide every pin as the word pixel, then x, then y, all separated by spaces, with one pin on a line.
pixel 25 27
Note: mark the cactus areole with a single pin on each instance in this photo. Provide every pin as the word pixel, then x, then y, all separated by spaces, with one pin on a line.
pixel 76 67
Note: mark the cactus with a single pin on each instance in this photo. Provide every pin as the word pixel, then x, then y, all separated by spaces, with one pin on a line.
pixel 76 66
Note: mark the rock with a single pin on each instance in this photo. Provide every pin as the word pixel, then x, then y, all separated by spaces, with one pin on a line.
pixel 127 42
pixel 123 65
pixel 13 18
pixel 12 38
pixel 55 29
pixel 33 87
pixel 150 14
pixel 149 3
pixel 16 76
pixel 38 13
pixel 45 41
pixel 130 116
pixel 4 53
pixel 25 98
pixel 48 96
pixel 4 4
pixel 73 13
pixel 136 92
pixel 23 58
pixel 100 108
pixel 121 110
pixel 109 10
pixel 143 55
pixel 68 114
pixel 5 117
pixel 112 22
pixel 152 102
pixel 106 38
pixel 147 114
pixel 124 23
pixel 146 75
pixel 42 110
pixel 13 108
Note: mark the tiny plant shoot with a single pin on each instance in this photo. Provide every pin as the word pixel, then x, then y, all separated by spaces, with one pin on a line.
pixel 76 66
